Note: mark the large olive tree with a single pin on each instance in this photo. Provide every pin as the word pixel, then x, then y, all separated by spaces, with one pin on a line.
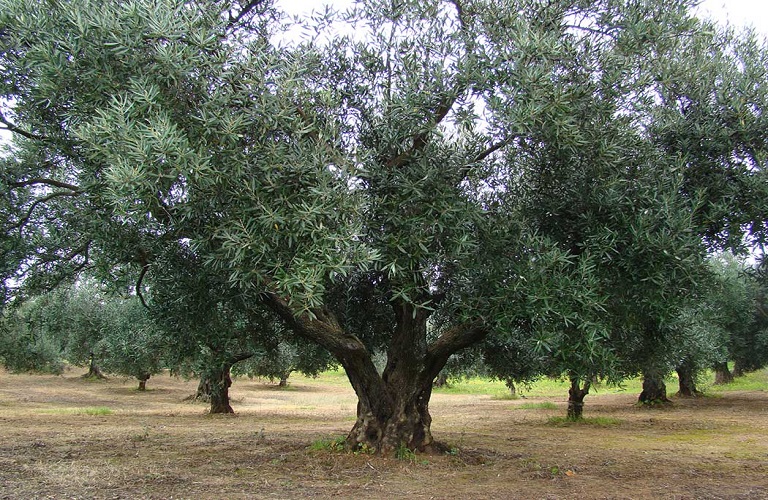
pixel 374 191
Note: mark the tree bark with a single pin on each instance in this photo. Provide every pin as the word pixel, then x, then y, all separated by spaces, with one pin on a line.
pixel 143 381
pixel 511 386
pixel 654 389
pixel 576 395
pixel 219 382
pixel 393 408
pixel 441 380
pixel 93 369
pixel 722 374
pixel 738 369
pixel 686 380
pixel 284 379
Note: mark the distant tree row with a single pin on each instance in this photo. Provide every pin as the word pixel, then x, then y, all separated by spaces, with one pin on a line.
pixel 544 182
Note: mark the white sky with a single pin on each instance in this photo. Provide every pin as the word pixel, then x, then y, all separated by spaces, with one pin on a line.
pixel 735 12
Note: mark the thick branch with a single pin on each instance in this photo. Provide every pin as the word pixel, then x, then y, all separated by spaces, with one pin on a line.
pixel 451 341
pixel 23 221
pixel 45 181
pixel 13 128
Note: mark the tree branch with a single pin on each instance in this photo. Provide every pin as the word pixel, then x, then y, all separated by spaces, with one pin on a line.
pixel 13 128
pixel 45 181
pixel 144 270
pixel 23 221
pixel 451 341
pixel 244 11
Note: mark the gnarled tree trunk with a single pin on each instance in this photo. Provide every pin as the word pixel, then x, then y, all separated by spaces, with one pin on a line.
pixel 654 389
pixel 143 377
pixel 576 395
pixel 393 408
pixel 722 374
pixel 686 380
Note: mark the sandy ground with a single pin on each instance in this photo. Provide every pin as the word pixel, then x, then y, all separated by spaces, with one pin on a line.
pixel 155 445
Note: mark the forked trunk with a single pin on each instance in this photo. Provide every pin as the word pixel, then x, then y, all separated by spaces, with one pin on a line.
pixel 654 389
pixel 687 380
pixel 576 395
pixel 393 407
pixel 722 374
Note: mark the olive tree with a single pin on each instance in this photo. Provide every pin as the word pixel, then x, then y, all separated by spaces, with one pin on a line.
pixel 389 168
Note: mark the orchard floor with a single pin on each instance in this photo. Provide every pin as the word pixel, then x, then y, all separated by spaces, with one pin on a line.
pixel 66 437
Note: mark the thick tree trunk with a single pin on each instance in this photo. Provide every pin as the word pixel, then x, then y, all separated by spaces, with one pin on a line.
pixel 143 381
pixel 284 379
pixel 93 369
pixel 686 380
pixel 722 374
pixel 220 381
pixel 576 395
pixel 203 392
pixel 654 389
pixel 393 408
pixel 738 369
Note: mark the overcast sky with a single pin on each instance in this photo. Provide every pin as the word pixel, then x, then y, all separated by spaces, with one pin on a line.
pixel 737 12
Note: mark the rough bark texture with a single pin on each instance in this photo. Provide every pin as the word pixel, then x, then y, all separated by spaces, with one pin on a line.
pixel 722 374
pixel 143 381
pixel 654 390
pixel 576 395
pixel 738 369
pixel 687 381
pixel 393 408
pixel 220 382
pixel 284 380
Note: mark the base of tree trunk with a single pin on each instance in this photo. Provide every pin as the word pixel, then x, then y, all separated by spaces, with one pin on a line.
pixel 143 381
pixel 654 391
pixel 576 395
pixel 687 382
pixel 95 373
pixel 441 380
pixel 722 374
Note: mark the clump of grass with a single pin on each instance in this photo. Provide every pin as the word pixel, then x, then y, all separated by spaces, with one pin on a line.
pixel 338 444
pixel 594 421
pixel 404 453
pixel 545 405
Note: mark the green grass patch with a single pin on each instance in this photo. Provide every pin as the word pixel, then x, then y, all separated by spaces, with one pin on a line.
pixel 98 410
pixel 545 405
pixel 592 421
pixel 755 381
pixel 337 444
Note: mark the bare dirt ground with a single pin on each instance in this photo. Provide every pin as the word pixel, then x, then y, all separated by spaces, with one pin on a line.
pixel 155 445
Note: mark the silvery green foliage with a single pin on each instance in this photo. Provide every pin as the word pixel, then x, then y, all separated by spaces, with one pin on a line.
pixel 170 127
